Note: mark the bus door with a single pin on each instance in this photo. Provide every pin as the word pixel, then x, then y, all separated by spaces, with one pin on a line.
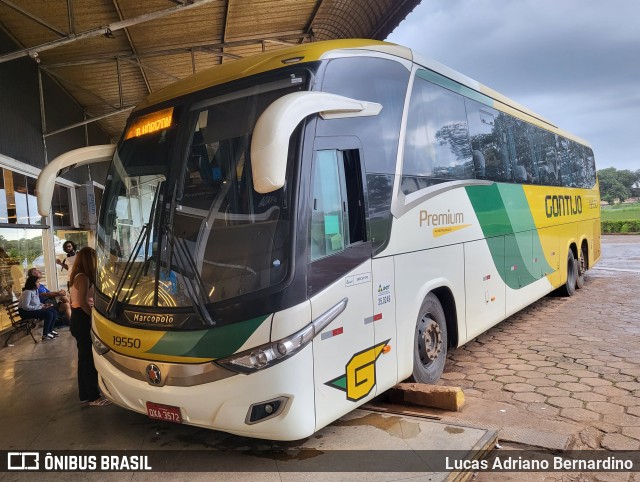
pixel 340 269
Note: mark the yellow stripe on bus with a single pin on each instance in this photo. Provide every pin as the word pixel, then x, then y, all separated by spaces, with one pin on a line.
pixel 135 342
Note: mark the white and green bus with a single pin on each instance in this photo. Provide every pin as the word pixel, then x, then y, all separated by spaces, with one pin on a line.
pixel 284 237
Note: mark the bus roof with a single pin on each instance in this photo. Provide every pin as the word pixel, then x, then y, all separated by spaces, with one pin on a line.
pixel 313 51
pixel 264 62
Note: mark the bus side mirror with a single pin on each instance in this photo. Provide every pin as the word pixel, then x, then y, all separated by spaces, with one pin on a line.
pixel 74 158
pixel 270 143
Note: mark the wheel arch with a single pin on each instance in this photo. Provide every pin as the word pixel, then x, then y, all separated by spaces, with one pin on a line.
pixel 584 244
pixel 574 248
pixel 448 303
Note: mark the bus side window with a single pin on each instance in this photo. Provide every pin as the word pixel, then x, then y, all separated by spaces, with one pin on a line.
pixel 338 211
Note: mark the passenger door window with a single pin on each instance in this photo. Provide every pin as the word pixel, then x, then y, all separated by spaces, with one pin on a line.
pixel 337 217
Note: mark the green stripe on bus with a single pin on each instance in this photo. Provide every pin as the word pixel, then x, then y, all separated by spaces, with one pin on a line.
pixel 511 233
pixel 212 343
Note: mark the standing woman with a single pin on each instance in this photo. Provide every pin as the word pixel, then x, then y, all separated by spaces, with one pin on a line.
pixel 82 281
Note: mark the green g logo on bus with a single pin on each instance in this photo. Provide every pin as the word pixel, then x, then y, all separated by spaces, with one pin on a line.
pixel 360 373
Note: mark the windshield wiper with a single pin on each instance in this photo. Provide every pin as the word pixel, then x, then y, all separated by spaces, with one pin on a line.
pixel 127 270
pixel 144 238
pixel 189 270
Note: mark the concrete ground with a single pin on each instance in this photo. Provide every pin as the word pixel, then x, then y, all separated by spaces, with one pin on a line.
pixel 561 374
pixel 564 373
pixel 40 412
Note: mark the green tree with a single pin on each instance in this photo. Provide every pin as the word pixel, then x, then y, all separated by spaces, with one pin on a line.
pixel 615 184
pixel 627 178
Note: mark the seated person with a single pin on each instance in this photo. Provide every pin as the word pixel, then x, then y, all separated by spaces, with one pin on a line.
pixel 29 306
pixel 58 299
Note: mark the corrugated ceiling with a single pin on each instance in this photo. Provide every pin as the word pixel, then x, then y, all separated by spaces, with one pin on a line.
pixel 110 54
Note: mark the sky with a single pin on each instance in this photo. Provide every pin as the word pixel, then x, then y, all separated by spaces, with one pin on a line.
pixel 574 62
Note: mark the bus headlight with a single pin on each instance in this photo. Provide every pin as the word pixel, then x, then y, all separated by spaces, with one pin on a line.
pixel 270 354
pixel 98 346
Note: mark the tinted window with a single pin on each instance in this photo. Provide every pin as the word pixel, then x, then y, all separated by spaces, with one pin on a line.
pixel 374 80
pixel 490 158
pixel 525 170
pixel 572 164
pixel 437 141
pixel 590 167
pixel 543 148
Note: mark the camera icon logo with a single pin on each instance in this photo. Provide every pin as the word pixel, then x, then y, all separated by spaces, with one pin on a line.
pixel 23 461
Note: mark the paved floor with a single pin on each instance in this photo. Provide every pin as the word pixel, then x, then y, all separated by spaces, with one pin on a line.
pixel 563 372
pixel 40 411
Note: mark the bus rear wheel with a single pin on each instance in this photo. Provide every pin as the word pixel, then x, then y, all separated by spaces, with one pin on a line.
pixel 569 288
pixel 582 268
pixel 430 344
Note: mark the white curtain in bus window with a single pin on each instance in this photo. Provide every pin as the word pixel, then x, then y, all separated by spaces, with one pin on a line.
pixel 437 146
pixel 327 218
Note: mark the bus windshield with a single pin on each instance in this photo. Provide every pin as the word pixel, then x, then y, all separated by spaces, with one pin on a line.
pixel 192 231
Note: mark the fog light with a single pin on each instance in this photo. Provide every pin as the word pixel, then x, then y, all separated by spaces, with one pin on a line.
pixel 98 345
pixel 259 412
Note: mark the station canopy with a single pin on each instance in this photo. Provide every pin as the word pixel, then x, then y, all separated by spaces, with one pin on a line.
pixel 110 54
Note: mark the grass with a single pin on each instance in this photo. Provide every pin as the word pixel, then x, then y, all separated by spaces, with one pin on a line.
pixel 620 212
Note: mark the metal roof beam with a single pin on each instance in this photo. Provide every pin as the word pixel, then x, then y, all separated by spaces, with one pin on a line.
pixel 89 121
pixel 81 89
pixel 133 47
pixel 183 50
pixel 225 24
pixel 71 16
pixel 314 14
pixel 152 69
pixel 108 30
pixel 33 17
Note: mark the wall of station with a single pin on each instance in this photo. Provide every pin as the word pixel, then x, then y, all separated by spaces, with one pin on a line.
pixel 26 239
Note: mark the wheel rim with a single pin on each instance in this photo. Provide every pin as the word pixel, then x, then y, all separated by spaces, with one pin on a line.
pixel 582 264
pixel 430 340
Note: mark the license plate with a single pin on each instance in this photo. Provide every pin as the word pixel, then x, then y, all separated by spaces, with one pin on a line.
pixel 164 412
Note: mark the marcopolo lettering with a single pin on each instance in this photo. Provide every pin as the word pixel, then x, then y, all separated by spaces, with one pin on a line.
pixel 556 206
pixel 150 318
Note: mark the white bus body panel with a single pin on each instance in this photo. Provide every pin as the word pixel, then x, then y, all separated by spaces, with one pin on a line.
pixel 384 324
pixel 424 271
pixel 334 348
pixel 484 287
pixel 224 404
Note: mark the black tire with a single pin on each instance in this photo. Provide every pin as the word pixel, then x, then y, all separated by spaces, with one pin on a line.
pixel 569 288
pixel 430 341
pixel 582 268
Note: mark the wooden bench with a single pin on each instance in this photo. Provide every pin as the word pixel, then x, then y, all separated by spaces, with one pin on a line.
pixel 17 323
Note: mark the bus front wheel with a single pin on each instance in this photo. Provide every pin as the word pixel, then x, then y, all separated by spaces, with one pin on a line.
pixel 569 288
pixel 430 345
